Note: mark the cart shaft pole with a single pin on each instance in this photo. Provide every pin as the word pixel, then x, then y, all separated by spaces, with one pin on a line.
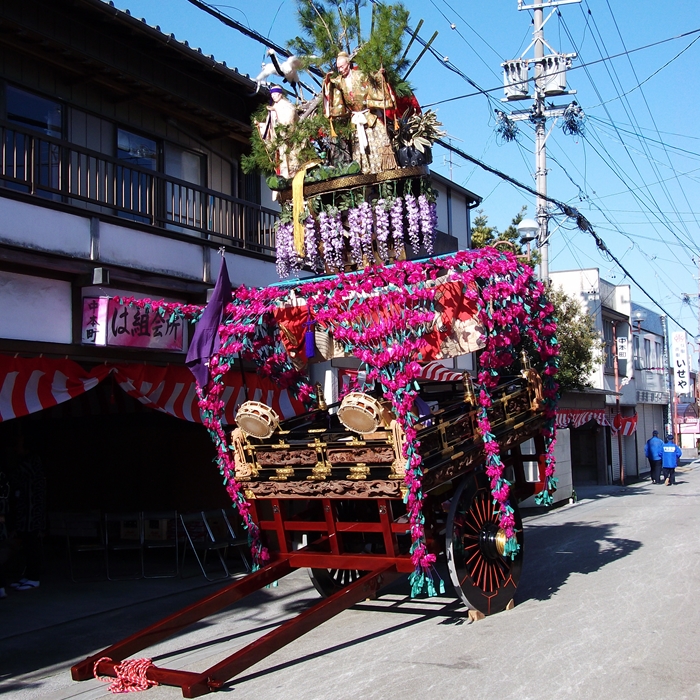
pixel 175 623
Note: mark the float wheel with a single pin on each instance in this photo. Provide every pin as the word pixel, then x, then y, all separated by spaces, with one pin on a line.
pixel 329 581
pixel 483 578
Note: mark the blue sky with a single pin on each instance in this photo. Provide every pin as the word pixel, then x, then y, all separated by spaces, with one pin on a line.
pixel 635 174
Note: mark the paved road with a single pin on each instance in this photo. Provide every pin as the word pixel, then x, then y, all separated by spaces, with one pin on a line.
pixel 605 609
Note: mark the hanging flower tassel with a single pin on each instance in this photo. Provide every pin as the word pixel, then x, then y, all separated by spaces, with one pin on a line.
pixel 396 218
pixel 382 228
pixel 428 222
pixel 212 408
pixel 313 257
pixel 414 222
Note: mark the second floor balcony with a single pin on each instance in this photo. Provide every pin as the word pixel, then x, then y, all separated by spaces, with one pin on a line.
pixel 48 169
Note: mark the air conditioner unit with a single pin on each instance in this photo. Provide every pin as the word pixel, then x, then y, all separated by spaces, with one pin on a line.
pixel 515 79
pixel 554 74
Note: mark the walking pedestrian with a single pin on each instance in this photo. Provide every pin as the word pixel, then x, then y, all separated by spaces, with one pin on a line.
pixel 669 460
pixel 653 451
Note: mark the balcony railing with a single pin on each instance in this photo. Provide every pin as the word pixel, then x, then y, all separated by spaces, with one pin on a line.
pixel 57 170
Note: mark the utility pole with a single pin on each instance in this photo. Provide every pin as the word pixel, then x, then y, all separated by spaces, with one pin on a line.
pixel 670 425
pixel 617 402
pixel 549 80
pixel 540 117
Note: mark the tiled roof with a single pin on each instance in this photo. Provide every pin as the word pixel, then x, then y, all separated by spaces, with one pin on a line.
pixel 195 54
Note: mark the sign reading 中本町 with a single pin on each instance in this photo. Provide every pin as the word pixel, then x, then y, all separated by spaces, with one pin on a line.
pixel 680 364
pixel 622 347
pixel 106 322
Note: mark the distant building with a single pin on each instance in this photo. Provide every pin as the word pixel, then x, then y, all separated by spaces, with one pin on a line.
pixel 651 375
pixel 596 433
pixel 454 205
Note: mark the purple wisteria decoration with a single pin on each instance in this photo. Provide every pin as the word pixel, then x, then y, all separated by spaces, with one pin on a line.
pixel 396 216
pixel 414 222
pixel 366 228
pixel 313 257
pixel 428 221
pixel 332 237
pixel 344 234
pixel 288 261
pixel 381 215
pixel 355 235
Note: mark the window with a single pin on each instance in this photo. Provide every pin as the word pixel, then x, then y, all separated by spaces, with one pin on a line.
pixel 137 150
pixel 184 165
pixel 647 354
pixel 33 112
pixel 134 187
pixel 184 205
pixel 637 358
pixel 250 187
pixel 608 337
pixel 659 356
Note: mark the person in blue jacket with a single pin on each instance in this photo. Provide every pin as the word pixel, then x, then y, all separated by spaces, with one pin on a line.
pixel 653 451
pixel 669 460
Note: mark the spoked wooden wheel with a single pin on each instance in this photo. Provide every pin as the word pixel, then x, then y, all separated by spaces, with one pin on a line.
pixel 483 578
pixel 329 581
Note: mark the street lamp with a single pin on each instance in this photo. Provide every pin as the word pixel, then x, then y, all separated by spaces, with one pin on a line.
pixel 528 230
pixel 638 317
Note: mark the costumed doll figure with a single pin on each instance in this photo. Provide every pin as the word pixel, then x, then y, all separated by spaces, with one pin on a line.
pixel 364 99
pixel 280 112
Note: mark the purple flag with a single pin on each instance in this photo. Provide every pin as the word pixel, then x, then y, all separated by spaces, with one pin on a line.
pixel 205 341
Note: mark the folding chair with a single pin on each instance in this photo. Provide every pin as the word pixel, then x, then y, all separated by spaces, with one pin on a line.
pixel 202 540
pixel 124 543
pixel 160 533
pixel 85 539
pixel 222 530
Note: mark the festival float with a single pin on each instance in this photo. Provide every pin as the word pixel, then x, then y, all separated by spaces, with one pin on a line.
pixel 395 458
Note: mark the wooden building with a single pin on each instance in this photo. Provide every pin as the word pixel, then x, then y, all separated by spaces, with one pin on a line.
pixel 120 175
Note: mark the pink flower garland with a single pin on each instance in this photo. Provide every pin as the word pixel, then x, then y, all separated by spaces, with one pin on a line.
pixel 381 315
pixel 248 330
pixel 171 310
pixel 506 318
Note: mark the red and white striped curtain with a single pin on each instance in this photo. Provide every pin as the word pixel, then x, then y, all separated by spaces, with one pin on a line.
pixel 576 417
pixel 437 372
pixel 28 385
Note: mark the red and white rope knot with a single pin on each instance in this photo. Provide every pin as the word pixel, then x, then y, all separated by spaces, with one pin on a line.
pixel 130 675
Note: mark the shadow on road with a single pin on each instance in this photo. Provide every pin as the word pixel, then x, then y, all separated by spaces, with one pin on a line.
pixel 416 611
pixel 96 628
pixel 554 552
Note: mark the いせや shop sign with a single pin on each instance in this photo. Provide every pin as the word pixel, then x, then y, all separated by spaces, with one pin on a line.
pixel 107 322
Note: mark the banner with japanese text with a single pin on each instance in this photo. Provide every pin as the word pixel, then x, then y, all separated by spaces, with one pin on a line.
pixel 107 322
pixel 680 364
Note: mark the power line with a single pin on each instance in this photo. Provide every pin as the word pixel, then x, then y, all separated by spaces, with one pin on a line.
pixel 652 162
pixel 581 221
pixel 230 22
pixel 609 161
pixel 649 77
pixel 572 68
